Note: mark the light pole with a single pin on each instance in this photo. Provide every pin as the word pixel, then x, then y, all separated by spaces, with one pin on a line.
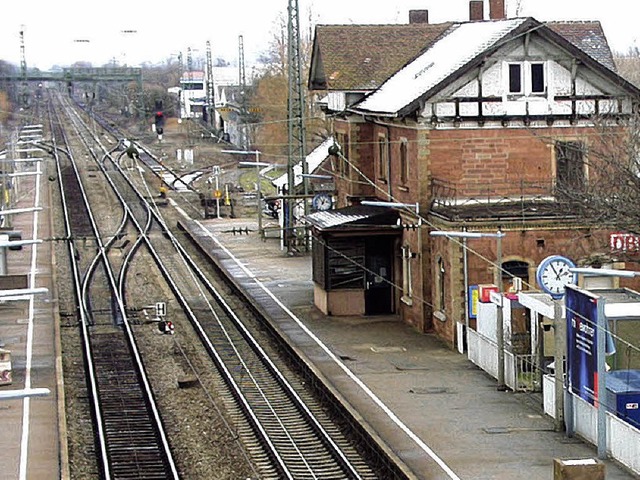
pixel 498 280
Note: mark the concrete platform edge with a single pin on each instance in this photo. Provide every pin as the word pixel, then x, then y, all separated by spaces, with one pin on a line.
pixel 188 226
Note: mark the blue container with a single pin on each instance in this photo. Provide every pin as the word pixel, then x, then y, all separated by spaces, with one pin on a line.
pixel 623 395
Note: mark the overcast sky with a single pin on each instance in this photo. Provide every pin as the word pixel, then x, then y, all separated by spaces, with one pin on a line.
pixel 59 32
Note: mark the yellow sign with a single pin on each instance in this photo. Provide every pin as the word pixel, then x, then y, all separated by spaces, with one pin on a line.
pixel 217 194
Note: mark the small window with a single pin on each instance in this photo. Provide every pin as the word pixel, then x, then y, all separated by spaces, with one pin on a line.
pixel 342 159
pixel 404 163
pixel 515 78
pixel 537 78
pixel 383 158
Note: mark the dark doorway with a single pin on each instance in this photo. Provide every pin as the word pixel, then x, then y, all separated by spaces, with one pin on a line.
pixel 378 295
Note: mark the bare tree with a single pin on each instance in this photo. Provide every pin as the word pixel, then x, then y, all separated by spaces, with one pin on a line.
pixel 601 183
pixel 271 91
pixel 628 65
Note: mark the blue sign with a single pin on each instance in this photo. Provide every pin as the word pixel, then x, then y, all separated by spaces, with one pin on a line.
pixel 582 343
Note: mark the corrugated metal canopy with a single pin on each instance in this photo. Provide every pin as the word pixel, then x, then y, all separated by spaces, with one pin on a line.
pixel 356 217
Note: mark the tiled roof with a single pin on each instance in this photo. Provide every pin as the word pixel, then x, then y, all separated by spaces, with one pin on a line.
pixel 455 50
pixel 462 43
pixel 588 37
pixel 361 57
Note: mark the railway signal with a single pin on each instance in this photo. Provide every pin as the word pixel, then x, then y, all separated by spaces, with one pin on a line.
pixel 159 122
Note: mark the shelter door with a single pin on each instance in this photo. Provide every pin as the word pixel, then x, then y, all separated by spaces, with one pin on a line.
pixel 378 295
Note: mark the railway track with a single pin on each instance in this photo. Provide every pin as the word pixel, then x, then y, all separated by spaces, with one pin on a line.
pixel 129 436
pixel 288 429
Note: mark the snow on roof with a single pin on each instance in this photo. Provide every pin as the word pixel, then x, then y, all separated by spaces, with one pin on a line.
pixel 314 159
pixel 458 46
pixel 334 218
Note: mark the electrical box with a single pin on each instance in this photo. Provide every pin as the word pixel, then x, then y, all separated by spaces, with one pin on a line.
pixel 484 292
pixel 623 395
pixel 548 338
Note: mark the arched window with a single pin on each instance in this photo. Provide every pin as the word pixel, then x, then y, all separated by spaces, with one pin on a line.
pixel 514 269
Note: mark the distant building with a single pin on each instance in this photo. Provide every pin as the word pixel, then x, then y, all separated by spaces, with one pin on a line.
pixel 227 99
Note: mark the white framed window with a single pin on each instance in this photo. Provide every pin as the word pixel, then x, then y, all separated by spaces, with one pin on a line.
pixel 515 78
pixel 526 78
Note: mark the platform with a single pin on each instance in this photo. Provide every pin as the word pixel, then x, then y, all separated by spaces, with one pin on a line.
pixel 438 413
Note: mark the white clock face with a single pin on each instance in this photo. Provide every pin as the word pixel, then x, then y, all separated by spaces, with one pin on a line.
pixel 555 276
pixel 322 202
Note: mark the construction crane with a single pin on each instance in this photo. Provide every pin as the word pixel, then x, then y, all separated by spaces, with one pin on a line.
pixel 295 235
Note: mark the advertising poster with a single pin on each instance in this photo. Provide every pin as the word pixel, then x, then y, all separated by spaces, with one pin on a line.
pixel 582 343
pixel 473 299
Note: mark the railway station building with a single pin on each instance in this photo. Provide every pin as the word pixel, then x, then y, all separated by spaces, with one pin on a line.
pixel 477 126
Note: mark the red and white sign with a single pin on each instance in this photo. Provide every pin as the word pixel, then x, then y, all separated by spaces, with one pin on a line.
pixel 624 242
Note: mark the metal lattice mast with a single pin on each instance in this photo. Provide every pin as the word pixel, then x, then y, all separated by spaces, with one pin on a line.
pixel 211 97
pixel 23 69
pixel 188 101
pixel 242 81
pixel 296 124
pixel 182 96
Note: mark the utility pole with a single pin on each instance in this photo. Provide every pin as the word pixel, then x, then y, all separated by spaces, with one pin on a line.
pixel 242 82
pixel 296 133
pixel 23 71
pixel 211 96
pixel 181 96
pixel 188 102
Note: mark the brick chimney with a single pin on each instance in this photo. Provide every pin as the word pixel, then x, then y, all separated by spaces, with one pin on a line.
pixel 418 16
pixel 496 10
pixel 476 10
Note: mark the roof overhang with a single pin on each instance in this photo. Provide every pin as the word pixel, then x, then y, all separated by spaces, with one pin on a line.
pixel 354 218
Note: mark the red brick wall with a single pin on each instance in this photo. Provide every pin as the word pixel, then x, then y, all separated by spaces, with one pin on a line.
pixel 360 137
pixel 497 161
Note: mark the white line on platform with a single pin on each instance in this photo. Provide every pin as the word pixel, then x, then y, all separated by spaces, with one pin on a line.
pixel 392 416
pixel 24 444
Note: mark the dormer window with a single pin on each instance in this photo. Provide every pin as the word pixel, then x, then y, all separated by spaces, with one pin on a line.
pixel 515 78
pixel 526 78
pixel 538 84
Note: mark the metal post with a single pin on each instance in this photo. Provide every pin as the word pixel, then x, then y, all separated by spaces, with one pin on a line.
pixel 3 254
pixel 560 334
pixel 259 194
pixel 500 315
pixel 602 392
pixel 217 196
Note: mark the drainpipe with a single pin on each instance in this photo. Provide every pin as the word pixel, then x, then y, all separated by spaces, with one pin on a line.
pixel 389 191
